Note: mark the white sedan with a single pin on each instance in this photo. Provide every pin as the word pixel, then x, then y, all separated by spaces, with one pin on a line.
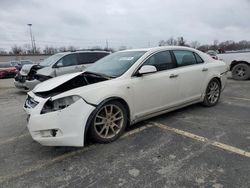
pixel 120 90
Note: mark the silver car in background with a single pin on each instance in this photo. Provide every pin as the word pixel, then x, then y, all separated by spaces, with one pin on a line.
pixel 59 64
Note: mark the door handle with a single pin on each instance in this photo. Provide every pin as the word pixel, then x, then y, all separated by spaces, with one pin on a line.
pixel 173 76
pixel 204 69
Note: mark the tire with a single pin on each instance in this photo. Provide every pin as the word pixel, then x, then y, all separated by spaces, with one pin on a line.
pixel 241 71
pixel 109 122
pixel 212 95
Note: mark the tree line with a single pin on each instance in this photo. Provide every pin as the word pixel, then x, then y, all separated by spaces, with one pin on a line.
pixel 228 45
pixel 48 50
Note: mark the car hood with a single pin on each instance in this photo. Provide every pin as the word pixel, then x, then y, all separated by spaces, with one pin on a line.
pixel 54 82
pixel 26 69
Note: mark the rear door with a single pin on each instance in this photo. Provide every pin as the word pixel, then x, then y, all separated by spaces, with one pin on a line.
pixel 67 64
pixel 192 72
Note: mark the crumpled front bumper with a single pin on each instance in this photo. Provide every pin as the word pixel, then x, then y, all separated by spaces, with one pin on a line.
pixel 60 128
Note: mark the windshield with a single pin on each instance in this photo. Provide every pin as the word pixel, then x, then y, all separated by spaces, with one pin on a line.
pixel 50 60
pixel 116 64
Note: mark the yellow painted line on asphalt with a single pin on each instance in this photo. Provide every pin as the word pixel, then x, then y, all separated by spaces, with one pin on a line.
pixel 137 130
pixel 203 139
pixel 13 139
pixel 41 165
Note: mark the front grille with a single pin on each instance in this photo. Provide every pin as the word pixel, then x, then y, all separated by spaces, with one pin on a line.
pixel 30 103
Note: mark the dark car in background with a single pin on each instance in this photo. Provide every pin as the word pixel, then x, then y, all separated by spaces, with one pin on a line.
pixel 7 70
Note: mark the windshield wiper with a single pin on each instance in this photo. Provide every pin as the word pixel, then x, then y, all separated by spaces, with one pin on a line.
pixel 108 77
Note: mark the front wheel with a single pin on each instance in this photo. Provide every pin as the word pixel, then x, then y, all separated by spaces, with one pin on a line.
pixel 109 122
pixel 212 94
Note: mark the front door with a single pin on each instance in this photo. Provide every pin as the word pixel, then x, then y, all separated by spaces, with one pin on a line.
pixel 156 91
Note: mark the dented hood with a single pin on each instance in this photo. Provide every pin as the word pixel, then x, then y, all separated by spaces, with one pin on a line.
pixel 54 82
pixel 26 69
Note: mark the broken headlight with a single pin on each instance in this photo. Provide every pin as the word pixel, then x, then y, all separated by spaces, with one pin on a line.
pixel 59 104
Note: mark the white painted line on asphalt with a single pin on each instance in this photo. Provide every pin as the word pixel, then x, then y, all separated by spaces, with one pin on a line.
pixel 203 139
pixel 13 139
pixel 41 165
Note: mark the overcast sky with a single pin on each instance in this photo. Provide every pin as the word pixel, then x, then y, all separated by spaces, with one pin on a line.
pixel 134 23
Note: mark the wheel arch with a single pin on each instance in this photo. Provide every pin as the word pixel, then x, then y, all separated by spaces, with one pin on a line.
pixel 219 79
pixel 234 63
pixel 213 76
pixel 115 98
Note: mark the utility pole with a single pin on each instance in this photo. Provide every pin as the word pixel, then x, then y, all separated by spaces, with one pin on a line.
pixel 33 45
pixel 107 44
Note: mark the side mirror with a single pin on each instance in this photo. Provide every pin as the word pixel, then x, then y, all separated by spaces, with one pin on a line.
pixel 146 69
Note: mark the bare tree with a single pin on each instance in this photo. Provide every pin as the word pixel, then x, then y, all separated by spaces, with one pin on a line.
pixel 171 41
pixel 49 50
pixel 162 43
pixel 62 49
pixel 195 44
pixel 72 48
pixel 181 41
pixel 2 51
pixel 16 50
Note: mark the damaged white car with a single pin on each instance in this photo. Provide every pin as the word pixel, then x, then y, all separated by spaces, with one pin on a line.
pixel 120 90
pixel 56 65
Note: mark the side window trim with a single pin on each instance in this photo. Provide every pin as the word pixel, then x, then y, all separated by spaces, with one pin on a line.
pixel 195 55
pixel 65 57
pixel 55 64
pixel 147 58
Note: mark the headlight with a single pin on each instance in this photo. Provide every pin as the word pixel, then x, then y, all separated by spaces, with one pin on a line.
pixel 59 104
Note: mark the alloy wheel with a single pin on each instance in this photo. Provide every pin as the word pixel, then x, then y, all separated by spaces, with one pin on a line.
pixel 213 92
pixel 108 121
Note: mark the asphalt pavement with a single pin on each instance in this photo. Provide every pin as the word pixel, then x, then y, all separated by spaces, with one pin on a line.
pixel 191 147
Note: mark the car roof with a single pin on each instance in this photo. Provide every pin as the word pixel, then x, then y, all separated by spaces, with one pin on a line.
pixel 84 51
pixel 154 49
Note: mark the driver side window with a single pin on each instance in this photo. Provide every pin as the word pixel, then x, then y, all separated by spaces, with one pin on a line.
pixel 162 61
pixel 68 60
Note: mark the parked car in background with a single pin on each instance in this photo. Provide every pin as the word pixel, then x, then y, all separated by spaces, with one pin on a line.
pixel 213 54
pixel 7 70
pixel 238 63
pixel 19 64
pixel 119 90
pixel 56 65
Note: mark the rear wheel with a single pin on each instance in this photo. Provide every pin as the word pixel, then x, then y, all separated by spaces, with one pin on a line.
pixel 213 91
pixel 109 122
pixel 241 71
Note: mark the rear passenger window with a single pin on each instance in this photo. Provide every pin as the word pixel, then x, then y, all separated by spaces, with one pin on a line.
pixel 162 61
pixel 185 58
pixel 88 58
